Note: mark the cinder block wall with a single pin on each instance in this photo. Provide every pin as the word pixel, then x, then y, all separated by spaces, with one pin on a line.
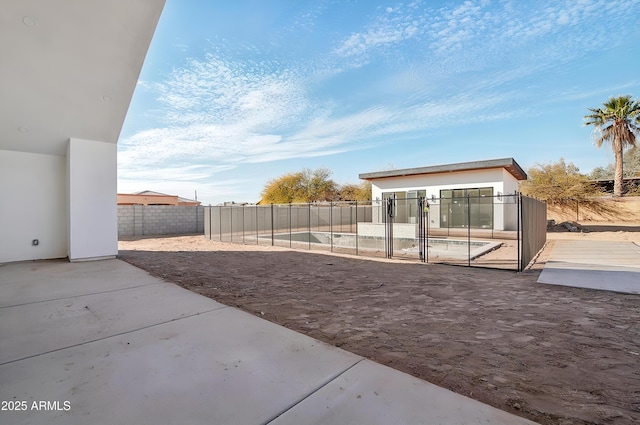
pixel 143 220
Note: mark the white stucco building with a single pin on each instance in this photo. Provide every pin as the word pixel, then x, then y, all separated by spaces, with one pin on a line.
pixel 67 75
pixel 487 187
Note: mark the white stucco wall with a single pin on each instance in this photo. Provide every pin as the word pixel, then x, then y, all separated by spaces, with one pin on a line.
pixel 92 200
pixel 433 183
pixel 499 179
pixel 511 186
pixel 510 183
pixel 32 206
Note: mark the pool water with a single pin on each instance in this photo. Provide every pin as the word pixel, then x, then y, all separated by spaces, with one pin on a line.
pixel 436 246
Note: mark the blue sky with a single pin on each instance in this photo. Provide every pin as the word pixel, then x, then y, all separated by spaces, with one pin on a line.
pixel 235 93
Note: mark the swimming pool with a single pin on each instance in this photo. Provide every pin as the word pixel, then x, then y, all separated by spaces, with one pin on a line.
pixel 437 247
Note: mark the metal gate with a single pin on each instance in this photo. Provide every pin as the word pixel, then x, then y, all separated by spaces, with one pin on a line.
pixel 422 229
pixel 391 205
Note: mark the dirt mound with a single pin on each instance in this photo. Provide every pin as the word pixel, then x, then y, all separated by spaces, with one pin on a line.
pixel 565 226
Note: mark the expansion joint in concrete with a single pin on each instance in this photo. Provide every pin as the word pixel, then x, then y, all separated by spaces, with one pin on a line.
pixel 312 392
pixel 115 335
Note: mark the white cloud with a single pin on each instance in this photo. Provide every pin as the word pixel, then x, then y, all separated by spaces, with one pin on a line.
pixel 222 111
pixel 227 114
pixel 474 28
pixel 385 32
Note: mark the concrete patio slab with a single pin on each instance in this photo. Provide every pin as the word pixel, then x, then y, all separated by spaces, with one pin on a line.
pixel 606 253
pixel 33 281
pixel 106 343
pixel 85 318
pixel 603 265
pixel 370 393
pixel 221 367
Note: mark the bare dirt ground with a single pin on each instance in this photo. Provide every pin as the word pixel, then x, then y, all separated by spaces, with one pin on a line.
pixel 555 355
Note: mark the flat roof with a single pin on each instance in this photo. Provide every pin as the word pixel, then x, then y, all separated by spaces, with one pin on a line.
pixel 508 164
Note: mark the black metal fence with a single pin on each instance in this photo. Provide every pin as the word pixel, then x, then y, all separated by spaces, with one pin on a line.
pixel 493 232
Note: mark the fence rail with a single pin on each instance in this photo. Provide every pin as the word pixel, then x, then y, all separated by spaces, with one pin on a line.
pixel 475 231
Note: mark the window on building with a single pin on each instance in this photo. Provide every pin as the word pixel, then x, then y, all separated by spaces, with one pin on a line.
pixel 467 207
pixel 405 204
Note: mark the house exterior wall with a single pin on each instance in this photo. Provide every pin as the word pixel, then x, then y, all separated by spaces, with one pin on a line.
pixel 510 183
pixel 499 179
pixel 433 183
pixel 67 204
pixel 510 206
pixel 91 195
pixel 32 190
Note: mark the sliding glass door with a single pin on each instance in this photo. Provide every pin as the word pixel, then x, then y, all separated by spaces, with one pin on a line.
pixel 460 205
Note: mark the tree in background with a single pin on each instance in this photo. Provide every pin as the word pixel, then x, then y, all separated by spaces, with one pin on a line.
pixel 631 160
pixel 557 183
pixel 312 186
pixel 301 187
pixel 283 190
pixel 355 192
pixel 319 185
pixel 616 123
pixel 603 173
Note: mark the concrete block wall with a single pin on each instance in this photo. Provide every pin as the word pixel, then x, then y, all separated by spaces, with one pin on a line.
pixel 143 220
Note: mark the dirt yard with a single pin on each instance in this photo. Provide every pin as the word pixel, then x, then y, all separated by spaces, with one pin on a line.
pixel 552 354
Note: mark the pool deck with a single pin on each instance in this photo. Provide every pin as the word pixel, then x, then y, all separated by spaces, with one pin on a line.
pixel 105 343
pixel 603 265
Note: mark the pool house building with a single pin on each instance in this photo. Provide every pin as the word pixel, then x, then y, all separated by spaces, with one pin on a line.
pixel 477 195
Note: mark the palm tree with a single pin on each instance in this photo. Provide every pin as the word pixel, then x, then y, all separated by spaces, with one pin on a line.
pixel 618 123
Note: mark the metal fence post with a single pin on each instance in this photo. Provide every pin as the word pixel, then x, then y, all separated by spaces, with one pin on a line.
pixel 420 223
pixel 518 219
pixel 331 224
pixel 426 242
pixel 468 231
pixel 290 224
pixel 309 225
pixel 272 236
pixel 356 227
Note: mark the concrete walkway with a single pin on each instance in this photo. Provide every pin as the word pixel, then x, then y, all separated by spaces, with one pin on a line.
pixel 611 266
pixel 105 343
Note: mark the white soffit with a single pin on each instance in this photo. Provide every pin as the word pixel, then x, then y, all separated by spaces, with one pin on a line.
pixel 69 68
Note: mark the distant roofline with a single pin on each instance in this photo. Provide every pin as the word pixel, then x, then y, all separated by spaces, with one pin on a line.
pixel 181 199
pixel 151 193
pixel 508 164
